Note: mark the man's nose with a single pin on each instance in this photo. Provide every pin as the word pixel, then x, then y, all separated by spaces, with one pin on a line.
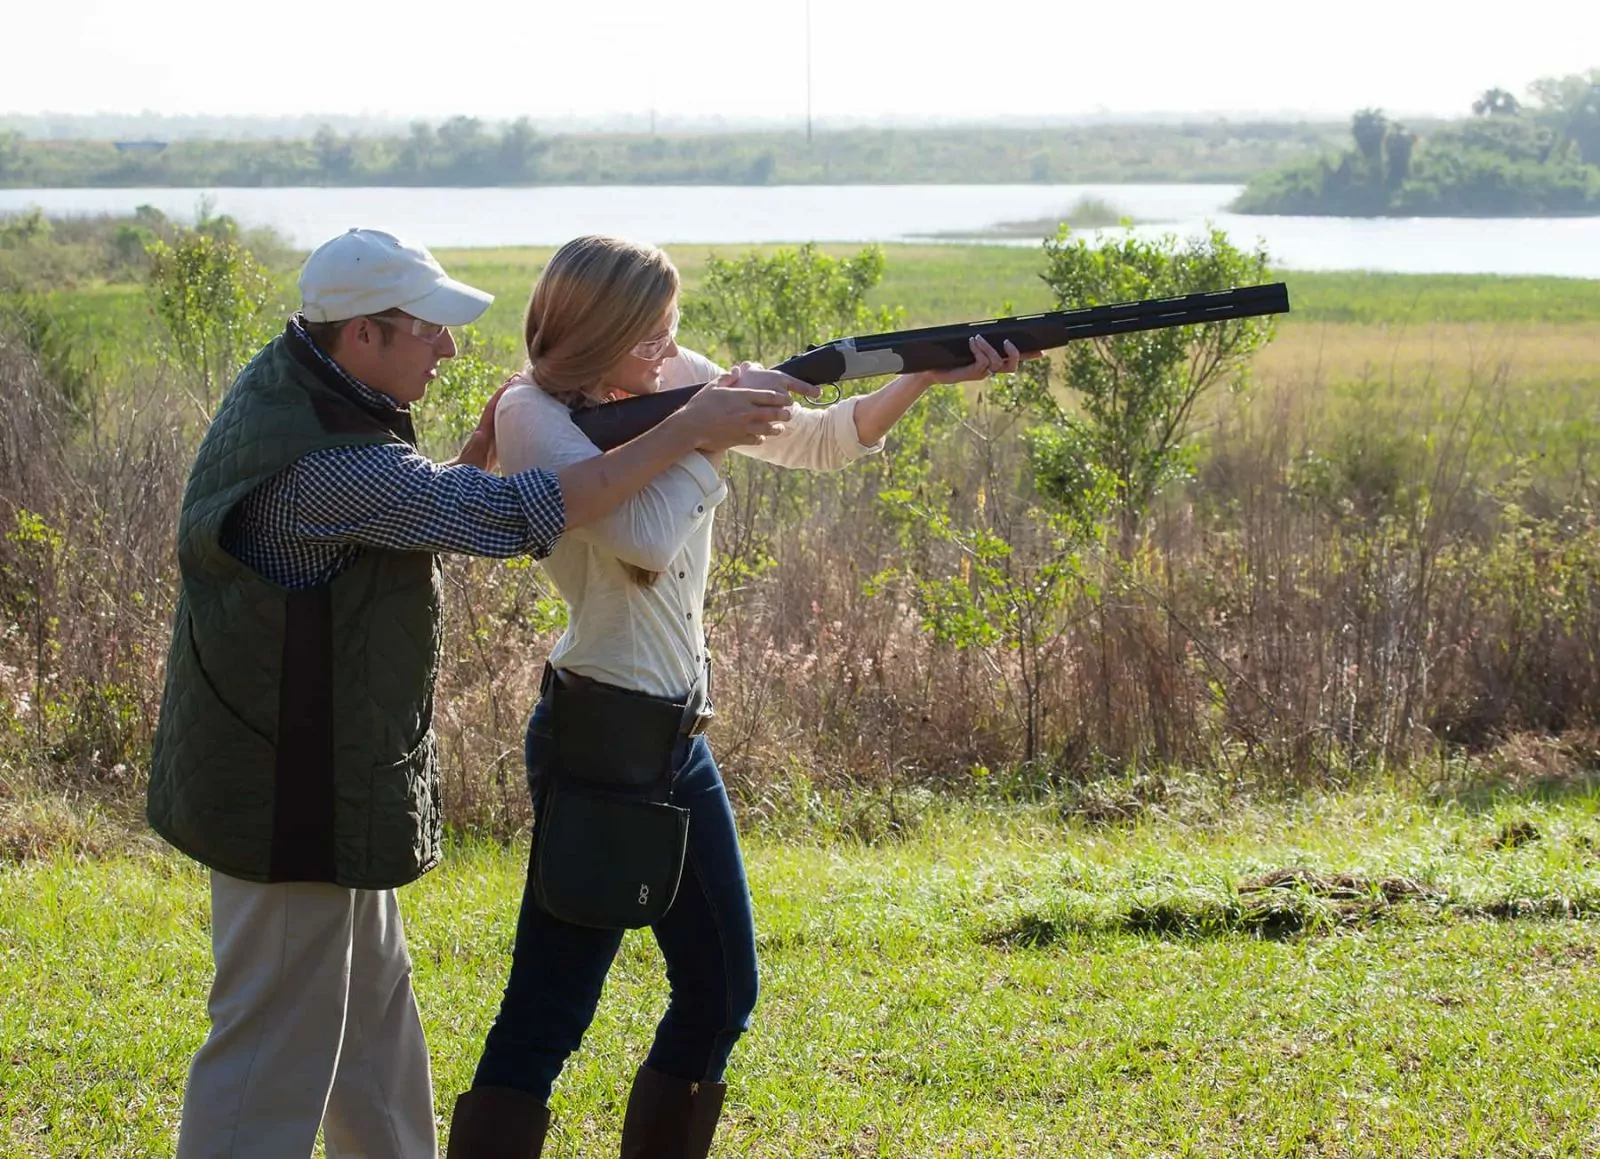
pixel 446 344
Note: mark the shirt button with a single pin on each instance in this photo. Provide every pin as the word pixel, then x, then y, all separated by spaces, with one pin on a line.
pixel 699 509
pixel 680 575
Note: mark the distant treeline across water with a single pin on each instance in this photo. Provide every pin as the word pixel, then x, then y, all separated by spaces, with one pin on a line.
pixel 464 151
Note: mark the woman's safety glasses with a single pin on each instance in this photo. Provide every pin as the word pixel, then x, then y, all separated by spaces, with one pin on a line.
pixel 655 347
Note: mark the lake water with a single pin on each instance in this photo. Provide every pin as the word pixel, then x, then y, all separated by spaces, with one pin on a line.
pixel 549 215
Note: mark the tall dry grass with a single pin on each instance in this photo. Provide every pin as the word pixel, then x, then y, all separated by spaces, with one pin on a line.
pixel 87 497
pixel 1333 593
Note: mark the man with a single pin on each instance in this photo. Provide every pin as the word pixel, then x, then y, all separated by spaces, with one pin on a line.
pixel 295 752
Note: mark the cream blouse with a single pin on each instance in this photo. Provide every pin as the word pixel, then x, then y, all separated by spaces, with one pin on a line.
pixel 649 639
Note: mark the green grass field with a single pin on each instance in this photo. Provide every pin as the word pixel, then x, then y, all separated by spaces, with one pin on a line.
pixel 943 283
pixel 999 983
pixel 1406 360
pixel 1343 320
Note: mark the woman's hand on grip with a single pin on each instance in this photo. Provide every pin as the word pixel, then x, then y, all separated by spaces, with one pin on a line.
pixel 724 415
pixel 986 362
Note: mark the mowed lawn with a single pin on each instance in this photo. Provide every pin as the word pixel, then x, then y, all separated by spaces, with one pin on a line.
pixel 1001 982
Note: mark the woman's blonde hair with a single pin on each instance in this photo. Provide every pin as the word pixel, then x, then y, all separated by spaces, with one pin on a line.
pixel 597 299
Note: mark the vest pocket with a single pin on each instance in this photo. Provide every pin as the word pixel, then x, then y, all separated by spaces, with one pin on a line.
pixel 389 823
pixel 212 706
pixel 216 774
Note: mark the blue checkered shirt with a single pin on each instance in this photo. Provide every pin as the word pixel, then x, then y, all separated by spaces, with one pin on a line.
pixel 312 520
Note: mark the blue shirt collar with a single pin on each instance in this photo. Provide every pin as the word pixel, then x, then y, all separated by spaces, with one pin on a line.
pixel 372 397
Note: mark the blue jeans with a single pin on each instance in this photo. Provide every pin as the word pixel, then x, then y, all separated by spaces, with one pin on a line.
pixel 707 938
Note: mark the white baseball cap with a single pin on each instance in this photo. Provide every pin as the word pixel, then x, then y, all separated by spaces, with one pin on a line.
pixel 367 271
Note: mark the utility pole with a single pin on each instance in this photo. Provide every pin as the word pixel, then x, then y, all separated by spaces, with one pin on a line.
pixel 808 72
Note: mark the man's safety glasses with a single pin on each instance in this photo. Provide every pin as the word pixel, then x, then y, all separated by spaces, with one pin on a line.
pixel 427 331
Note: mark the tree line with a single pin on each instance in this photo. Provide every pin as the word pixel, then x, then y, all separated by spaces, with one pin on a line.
pixel 1511 158
pixel 464 151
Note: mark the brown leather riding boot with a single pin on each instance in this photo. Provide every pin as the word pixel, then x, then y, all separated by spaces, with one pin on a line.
pixel 497 1123
pixel 670 1118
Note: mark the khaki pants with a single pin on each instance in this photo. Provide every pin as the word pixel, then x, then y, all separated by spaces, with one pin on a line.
pixel 312 1022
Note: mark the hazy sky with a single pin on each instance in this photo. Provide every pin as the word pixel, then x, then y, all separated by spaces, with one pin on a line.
pixel 746 58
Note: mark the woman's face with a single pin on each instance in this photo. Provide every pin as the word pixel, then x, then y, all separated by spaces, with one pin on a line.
pixel 639 371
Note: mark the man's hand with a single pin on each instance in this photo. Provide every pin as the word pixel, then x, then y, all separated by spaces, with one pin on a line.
pixel 478 451
pixel 731 413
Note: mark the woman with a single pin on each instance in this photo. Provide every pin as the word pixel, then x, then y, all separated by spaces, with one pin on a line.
pixel 602 323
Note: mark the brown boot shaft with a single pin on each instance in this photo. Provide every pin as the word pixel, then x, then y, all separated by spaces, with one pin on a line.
pixel 670 1118
pixel 497 1123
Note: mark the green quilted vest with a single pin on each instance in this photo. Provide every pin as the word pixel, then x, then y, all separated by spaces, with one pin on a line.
pixel 295 741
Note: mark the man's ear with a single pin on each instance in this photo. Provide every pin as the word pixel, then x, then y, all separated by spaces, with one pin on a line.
pixel 357 329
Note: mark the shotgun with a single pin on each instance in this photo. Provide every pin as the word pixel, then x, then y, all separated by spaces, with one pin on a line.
pixel 611 424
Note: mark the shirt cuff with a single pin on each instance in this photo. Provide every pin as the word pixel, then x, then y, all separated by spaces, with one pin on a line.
pixel 844 431
pixel 545 509
pixel 706 477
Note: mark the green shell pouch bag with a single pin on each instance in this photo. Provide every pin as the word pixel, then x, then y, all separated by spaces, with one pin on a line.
pixel 609 844
pixel 607 860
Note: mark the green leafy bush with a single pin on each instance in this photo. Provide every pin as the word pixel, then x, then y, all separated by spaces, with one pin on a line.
pixel 211 296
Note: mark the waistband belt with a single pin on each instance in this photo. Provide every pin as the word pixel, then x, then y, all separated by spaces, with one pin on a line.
pixel 695 712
